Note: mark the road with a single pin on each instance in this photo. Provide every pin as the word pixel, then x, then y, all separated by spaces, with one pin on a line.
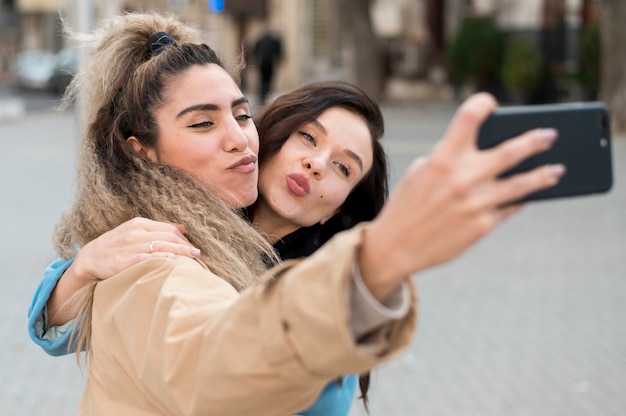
pixel 527 322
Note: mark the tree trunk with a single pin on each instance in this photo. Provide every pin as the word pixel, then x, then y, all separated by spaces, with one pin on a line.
pixel 359 34
pixel 613 75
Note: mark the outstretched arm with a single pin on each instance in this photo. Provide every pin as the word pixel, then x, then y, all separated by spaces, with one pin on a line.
pixel 448 201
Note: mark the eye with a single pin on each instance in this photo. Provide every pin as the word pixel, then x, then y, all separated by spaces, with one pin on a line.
pixel 203 124
pixel 243 117
pixel 309 138
pixel 345 169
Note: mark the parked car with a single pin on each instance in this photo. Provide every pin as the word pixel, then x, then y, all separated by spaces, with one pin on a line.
pixel 65 67
pixel 33 69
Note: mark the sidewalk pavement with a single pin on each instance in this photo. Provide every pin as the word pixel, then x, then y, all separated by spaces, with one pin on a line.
pixel 12 107
pixel 529 322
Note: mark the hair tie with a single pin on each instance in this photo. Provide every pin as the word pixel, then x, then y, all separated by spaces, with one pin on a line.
pixel 159 41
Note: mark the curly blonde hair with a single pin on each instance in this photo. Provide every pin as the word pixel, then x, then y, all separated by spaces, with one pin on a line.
pixel 118 88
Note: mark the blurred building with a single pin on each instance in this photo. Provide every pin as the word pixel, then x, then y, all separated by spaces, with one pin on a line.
pixel 413 33
pixel 8 36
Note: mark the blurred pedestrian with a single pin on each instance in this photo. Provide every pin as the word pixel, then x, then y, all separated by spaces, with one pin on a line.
pixel 267 56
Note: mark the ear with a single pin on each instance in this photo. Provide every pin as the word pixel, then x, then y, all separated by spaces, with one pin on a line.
pixel 323 220
pixel 140 149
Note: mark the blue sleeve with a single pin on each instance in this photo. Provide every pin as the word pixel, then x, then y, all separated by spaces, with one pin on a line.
pixel 336 399
pixel 55 340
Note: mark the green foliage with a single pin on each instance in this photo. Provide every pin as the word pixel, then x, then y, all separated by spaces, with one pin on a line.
pixel 521 67
pixel 589 70
pixel 475 52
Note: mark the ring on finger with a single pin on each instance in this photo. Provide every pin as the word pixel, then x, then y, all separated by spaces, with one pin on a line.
pixel 151 246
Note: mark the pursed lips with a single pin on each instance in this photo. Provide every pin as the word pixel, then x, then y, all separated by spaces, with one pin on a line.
pixel 298 184
pixel 245 164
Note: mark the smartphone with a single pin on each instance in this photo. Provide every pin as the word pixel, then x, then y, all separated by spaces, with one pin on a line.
pixel 583 145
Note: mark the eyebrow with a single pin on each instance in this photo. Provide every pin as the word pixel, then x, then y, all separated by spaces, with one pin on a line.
pixel 350 153
pixel 210 107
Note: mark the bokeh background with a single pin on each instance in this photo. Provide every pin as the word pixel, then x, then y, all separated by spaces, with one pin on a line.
pixel 528 322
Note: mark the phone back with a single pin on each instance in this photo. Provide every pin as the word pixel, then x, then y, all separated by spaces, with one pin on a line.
pixel 583 145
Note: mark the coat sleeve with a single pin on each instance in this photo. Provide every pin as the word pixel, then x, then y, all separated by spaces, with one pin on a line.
pixel 53 340
pixel 197 346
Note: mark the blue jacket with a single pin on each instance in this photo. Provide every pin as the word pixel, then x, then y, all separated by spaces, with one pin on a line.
pixel 335 400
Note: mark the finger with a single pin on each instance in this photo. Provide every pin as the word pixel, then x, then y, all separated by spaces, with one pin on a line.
pixel 493 218
pixel 512 152
pixel 166 247
pixel 416 167
pixel 175 229
pixel 508 211
pixel 145 224
pixel 152 225
pixel 165 236
pixel 140 223
pixel 167 227
pixel 181 228
pixel 463 128
pixel 166 255
pixel 518 186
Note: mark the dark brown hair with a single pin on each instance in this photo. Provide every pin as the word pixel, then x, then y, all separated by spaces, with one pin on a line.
pixel 277 121
pixel 289 112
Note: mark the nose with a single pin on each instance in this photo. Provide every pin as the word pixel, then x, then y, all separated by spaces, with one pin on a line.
pixel 315 165
pixel 235 139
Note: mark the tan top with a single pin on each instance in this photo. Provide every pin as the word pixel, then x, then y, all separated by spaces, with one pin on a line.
pixel 170 337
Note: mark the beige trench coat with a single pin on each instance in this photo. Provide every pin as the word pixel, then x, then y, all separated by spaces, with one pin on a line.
pixel 171 338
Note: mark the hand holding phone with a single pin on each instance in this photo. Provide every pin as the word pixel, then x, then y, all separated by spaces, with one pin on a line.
pixel 583 146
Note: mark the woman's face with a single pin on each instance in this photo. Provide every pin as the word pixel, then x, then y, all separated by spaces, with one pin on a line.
pixel 313 173
pixel 206 130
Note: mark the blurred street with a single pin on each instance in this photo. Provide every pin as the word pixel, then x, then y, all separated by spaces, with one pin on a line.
pixel 529 322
